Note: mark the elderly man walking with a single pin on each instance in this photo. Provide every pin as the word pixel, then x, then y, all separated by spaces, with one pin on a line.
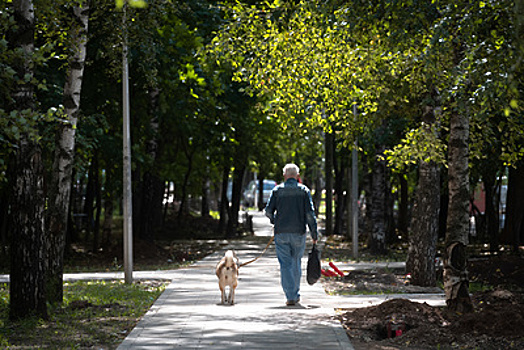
pixel 290 208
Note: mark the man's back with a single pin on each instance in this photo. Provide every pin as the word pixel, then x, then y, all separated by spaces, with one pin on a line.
pixel 293 206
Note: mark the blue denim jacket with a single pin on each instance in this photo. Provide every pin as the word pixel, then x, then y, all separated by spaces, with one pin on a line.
pixel 290 208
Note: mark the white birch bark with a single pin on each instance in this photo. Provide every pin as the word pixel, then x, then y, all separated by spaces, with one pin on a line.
pixel 60 184
pixel 456 280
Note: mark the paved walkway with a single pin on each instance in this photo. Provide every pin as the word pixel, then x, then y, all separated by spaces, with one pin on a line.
pixel 188 315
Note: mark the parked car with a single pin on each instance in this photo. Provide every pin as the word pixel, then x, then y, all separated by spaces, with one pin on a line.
pixel 252 191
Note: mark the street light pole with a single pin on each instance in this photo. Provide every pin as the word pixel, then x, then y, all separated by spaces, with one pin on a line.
pixel 354 192
pixel 128 209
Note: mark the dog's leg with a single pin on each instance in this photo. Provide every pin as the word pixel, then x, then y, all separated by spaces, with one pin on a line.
pixel 232 295
pixel 222 295
pixel 229 295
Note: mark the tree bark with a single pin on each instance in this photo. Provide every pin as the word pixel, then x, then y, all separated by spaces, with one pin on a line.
pixel 317 195
pixel 223 206
pixel 378 204
pixel 27 272
pixel 514 226
pixel 492 195
pixel 204 210
pixel 260 192
pixel 184 207
pixel 329 146
pixel 4 215
pixel 403 219
pixel 151 186
pixel 238 177
pixel 107 227
pixel 60 183
pixel 456 283
pixel 340 199
pixel 425 222
pixel 98 199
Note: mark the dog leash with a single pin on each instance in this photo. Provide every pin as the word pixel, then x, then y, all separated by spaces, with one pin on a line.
pixel 258 257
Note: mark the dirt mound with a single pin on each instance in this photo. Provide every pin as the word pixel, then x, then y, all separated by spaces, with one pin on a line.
pixel 500 313
pixel 379 320
pixel 497 325
pixel 497 322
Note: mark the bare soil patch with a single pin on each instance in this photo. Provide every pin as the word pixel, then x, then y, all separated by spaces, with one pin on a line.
pixel 496 323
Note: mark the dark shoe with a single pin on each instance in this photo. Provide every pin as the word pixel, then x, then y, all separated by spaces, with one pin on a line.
pixel 292 302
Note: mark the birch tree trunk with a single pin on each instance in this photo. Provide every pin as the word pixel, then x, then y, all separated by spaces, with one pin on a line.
pixel 456 283
pixel 26 289
pixel 425 222
pixel 60 183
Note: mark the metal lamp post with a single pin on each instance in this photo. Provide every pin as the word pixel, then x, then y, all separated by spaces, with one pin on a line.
pixel 128 208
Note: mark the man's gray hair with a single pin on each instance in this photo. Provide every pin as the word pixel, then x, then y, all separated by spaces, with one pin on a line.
pixel 291 170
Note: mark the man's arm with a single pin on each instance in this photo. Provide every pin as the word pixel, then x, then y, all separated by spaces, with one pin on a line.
pixel 311 218
pixel 270 208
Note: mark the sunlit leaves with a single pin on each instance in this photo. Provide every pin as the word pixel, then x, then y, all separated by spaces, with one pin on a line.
pixel 421 144
pixel 303 59
pixel 132 3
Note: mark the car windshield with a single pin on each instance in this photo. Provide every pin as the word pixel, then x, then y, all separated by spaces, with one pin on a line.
pixel 269 185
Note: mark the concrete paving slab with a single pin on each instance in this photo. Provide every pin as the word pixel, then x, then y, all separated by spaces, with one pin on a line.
pixel 188 315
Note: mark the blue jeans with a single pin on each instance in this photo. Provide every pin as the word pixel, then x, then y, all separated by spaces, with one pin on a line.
pixel 290 249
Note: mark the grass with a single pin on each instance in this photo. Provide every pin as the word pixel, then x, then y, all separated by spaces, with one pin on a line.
pixel 94 314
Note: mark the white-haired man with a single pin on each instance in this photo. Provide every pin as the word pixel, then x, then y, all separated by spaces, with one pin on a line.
pixel 290 208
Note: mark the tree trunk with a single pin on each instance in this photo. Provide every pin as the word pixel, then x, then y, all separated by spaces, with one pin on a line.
pixel 238 177
pixel 150 215
pixel 98 198
pixel 108 217
pixel 151 206
pixel 224 201
pixel 456 283
pixel 317 195
pixel 260 192
pixel 340 202
pixel 425 222
pixel 4 215
pixel 329 145
pixel 184 207
pixel 27 272
pixel 89 204
pixel 403 220
pixel 204 210
pixel 28 249
pixel 167 194
pixel 514 226
pixel 492 195
pixel 378 204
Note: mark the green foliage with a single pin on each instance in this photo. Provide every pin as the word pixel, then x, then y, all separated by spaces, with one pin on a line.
pixel 313 60
pixel 132 3
pixel 300 58
pixel 418 145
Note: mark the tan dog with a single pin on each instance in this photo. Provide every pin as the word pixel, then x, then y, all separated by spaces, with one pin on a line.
pixel 227 273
